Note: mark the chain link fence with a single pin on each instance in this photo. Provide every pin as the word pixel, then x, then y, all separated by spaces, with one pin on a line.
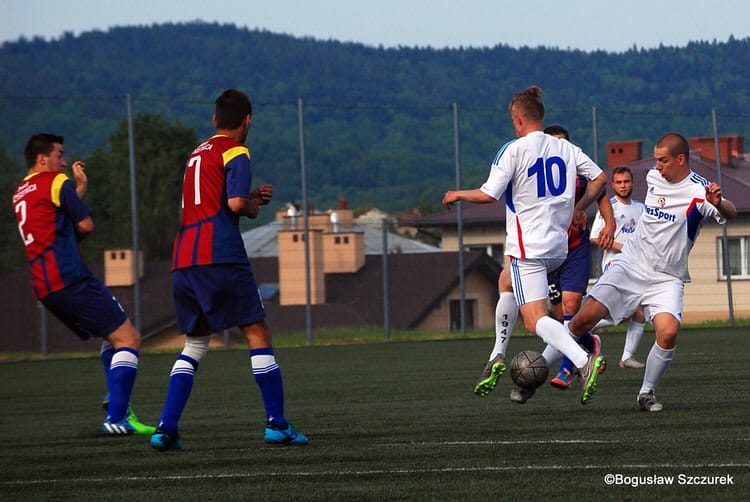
pixel 338 143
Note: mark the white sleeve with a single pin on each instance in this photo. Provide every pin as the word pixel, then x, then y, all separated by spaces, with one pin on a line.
pixel 585 166
pixel 597 226
pixel 710 211
pixel 500 175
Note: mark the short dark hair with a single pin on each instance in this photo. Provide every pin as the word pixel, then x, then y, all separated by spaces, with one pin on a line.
pixel 232 106
pixel 41 143
pixel 622 169
pixel 675 143
pixel 557 130
pixel 528 103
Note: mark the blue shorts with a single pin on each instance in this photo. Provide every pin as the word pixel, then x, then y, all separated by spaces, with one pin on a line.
pixel 212 298
pixel 573 274
pixel 88 308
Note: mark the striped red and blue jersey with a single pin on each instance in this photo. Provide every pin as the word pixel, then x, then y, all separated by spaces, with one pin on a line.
pixel 217 170
pixel 47 209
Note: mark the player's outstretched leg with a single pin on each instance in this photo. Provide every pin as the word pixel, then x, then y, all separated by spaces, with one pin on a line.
pixel 588 375
pixel 493 370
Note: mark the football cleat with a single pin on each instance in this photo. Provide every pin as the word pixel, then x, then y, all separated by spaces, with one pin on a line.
pixel 121 428
pixel 647 402
pixel 562 380
pixel 520 395
pixel 288 436
pixel 589 374
pixel 493 370
pixel 631 363
pixel 163 441
pixel 139 428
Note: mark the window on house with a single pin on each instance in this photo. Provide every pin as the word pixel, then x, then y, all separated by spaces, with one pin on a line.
pixel 455 313
pixel 738 251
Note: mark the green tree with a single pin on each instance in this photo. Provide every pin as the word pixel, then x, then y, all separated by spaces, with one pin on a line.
pixel 161 150
pixel 11 249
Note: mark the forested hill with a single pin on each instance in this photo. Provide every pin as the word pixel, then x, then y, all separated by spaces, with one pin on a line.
pixel 378 122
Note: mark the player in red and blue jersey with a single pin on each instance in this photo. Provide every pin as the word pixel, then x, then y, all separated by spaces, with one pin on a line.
pixel 52 218
pixel 213 284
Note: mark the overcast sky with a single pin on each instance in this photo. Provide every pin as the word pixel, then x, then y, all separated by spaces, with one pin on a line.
pixel 575 24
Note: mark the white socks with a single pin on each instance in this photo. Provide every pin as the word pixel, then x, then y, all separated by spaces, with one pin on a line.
pixel 632 339
pixel 656 365
pixel 557 335
pixel 506 314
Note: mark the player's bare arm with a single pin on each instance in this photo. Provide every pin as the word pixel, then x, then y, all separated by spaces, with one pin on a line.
pixel 606 237
pixel 725 206
pixel 593 190
pixel 475 195
pixel 79 175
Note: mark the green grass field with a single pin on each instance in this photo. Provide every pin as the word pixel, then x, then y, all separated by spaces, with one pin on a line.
pixel 387 421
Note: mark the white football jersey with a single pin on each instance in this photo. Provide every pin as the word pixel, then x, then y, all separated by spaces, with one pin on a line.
pixel 670 224
pixel 537 175
pixel 626 218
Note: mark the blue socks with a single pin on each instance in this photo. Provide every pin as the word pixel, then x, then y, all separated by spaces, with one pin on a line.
pixel 180 385
pixel 123 369
pixel 268 377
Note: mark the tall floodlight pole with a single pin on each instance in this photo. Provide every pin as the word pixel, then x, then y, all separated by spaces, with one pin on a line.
pixel 724 239
pixel 459 224
pixel 305 219
pixel 134 216
pixel 386 299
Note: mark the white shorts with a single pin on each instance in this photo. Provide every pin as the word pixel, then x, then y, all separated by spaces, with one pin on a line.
pixel 623 287
pixel 530 278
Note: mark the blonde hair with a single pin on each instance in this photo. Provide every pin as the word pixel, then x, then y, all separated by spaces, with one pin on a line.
pixel 528 103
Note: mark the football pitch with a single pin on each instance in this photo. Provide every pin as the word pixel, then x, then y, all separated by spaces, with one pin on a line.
pixel 388 421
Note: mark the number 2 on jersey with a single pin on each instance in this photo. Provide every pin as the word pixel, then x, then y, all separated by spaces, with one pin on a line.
pixel 21 209
pixel 544 170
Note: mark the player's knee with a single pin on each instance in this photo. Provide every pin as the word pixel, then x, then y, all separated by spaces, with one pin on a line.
pixel 196 347
pixel 257 334
pixel 125 336
pixel 666 338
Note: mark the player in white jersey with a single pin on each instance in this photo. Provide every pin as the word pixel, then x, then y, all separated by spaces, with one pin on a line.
pixel 653 266
pixel 536 174
pixel 627 212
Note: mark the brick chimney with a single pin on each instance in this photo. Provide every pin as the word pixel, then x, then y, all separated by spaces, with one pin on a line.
pixel 623 152
pixel 730 147
pixel 119 267
pixel 292 286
